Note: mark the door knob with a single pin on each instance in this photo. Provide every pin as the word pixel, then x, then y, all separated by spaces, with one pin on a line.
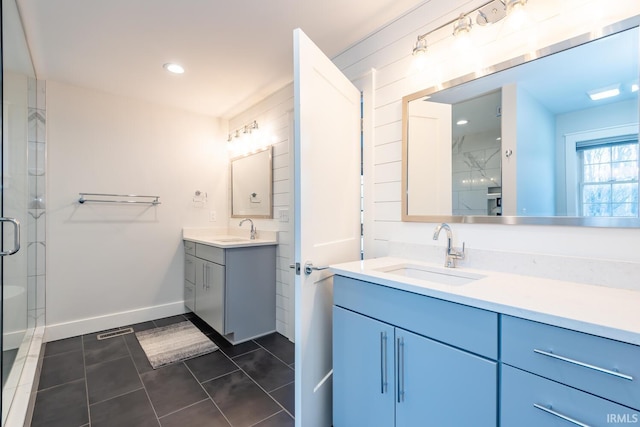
pixel 309 267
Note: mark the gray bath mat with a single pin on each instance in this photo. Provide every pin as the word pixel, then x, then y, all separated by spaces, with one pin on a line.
pixel 174 343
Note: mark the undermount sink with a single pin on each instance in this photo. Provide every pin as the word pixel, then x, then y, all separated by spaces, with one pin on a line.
pixel 231 239
pixel 444 276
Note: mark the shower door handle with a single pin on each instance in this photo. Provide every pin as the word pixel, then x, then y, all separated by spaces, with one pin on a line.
pixel 16 236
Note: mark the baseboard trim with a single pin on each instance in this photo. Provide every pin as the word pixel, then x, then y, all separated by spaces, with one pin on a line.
pixel 88 325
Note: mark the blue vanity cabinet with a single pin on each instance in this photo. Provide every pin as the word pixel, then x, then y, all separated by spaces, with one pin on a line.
pixel 363 371
pixel 529 400
pixel 386 375
pixel 554 376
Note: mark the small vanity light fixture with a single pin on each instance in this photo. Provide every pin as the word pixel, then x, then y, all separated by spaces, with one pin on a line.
pixel 462 26
pixel 173 68
pixel 462 122
pixel 605 92
pixel 246 129
pixel 488 13
pixel 634 87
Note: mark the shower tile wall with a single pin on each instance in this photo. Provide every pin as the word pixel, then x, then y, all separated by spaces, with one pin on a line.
pixel 475 168
pixel 36 244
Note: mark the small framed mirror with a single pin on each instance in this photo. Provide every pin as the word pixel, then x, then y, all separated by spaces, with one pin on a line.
pixel 252 185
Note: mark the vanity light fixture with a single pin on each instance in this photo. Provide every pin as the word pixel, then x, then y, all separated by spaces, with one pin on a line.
pixel 462 122
pixel 173 68
pixel 605 92
pixel 634 87
pixel 462 26
pixel 246 129
pixel 488 13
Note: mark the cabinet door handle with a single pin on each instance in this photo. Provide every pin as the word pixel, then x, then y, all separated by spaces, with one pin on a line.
pixel 559 415
pixel 383 362
pixel 583 364
pixel 400 350
pixel 204 276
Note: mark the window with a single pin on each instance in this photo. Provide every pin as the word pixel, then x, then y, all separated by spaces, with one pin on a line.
pixel 609 177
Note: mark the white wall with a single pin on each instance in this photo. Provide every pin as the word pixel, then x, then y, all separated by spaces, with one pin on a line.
pixel 274 117
pixel 111 265
pixel 536 157
pixel 389 52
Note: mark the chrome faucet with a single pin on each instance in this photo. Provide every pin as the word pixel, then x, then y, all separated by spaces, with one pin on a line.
pixel 452 254
pixel 253 229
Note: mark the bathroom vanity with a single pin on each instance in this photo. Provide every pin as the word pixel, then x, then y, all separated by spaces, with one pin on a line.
pixel 417 344
pixel 230 283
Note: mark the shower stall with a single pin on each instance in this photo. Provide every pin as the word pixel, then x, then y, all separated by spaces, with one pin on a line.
pixel 22 220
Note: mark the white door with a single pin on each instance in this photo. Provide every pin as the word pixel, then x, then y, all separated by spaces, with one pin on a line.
pixel 327 215
pixel 429 171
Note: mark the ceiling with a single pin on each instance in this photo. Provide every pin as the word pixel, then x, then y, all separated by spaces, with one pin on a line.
pixel 234 52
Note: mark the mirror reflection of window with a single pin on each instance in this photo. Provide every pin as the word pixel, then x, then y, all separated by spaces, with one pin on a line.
pixel 608 177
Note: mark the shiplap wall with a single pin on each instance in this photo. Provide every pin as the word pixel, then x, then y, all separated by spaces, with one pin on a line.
pixel 388 51
pixel 274 117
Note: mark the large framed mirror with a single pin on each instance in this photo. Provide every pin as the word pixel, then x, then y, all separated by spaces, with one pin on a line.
pixel 252 185
pixel 530 141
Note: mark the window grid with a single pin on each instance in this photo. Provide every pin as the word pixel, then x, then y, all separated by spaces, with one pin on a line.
pixel 609 180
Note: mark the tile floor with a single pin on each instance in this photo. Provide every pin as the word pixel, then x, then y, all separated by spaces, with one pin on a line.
pixel 90 383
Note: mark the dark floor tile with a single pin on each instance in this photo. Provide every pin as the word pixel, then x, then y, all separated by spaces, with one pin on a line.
pixel 240 399
pixel 190 315
pixel 203 414
pixel 131 409
pixel 137 327
pixel 286 397
pixel 165 321
pixel 62 406
pixel 202 325
pixel 211 366
pixel 265 369
pixel 97 351
pixel 281 419
pixel 61 369
pixel 137 354
pixel 172 388
pixel 230 349
pixel 279 346
pixel 110 379
pixel 63 346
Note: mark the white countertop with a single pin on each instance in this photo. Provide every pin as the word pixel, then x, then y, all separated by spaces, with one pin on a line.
pixel 229 239
pixel 598 310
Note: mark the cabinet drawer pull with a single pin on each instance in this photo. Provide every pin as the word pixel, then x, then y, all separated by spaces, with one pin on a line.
pixel 559 415
pixel 383 362
pixel 400 350
pixel 584 365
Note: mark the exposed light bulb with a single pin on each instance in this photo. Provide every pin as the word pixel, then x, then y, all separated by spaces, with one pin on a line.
pixel 516 14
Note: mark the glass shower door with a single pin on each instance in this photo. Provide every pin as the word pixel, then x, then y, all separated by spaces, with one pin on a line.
pixel 17 290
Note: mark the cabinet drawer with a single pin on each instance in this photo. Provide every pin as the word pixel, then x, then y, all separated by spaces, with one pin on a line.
pixel 459 325
pixel 189 247
pixel 522 390
pixel 604 367
pixel 210 253
pixel 190 268
pixel 190 295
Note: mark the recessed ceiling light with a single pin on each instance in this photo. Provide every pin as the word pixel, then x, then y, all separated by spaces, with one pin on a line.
pixel 173 68
pixel 605 92
pixel 462 122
